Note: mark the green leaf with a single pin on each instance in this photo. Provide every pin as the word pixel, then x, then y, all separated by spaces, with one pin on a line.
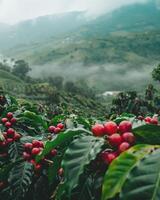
pixel 20 179
pixel 15 150
pixel 53 169
pixel 147 134
pixel 60 140
pixel 5 171
pixel 78 155
pixel 120 168
pixel 36 118
pixel 11 100
pixel 83 121
pixel 118 120
pixel 144 180
pixel 57 119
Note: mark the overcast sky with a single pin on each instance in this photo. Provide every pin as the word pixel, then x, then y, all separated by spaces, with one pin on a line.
pixel 12 11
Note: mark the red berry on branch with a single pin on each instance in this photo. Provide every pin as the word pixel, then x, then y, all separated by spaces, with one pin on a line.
pixel 57 130
pixel 37 167
pixel 28 146
pixel 10 132
pixel 125 126
pixel 53 152
pixel 10 115
pixel 98 130
pixel 154 121
pixel 108 157
pixel 115 140
pixel 13 120
pixel 35 151
pixel 9 140
pixel 4 120
pixel 51 129
pixel 26 156
pixel 128 137
pixel 17 136
pixel 8 124
pixel 123 147
pixel 148 120
pixel 33 162
pixel 110 128
pixel 60 125
pixel 36 143
pixel 41 144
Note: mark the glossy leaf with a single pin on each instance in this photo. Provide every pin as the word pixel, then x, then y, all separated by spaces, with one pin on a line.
pixel 120 168
pixel 60 140
pixel 147 134
pixel 79 154
pixel 144 180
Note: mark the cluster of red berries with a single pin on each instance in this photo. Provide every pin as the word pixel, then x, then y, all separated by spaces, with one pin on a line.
pixel 10 135
pixel 149 120
pixel 9 120
pixel 33 149
pixel 56 129
pixel 120 138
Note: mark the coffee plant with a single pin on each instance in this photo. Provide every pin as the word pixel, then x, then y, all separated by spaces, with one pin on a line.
pixel 69 157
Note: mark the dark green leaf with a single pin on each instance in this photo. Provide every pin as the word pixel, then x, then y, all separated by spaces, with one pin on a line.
pixel 60 140
pixel 120 168
pixel 15 150
pixel 147 134
pixel 144 180
pixel 20 179
pixel 78 155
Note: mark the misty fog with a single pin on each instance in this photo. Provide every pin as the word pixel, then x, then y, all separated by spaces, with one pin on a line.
pixel 106 77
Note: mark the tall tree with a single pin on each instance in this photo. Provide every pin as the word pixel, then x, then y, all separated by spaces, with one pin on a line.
pixel 156 73
pixel 21 68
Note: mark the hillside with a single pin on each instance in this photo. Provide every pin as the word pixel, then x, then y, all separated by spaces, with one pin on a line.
pixel 135 17
pixel 45 94
pixel 99 61
pixel 117 47
pixel 128 34
pixel 138 17
pixel 39 29
pixel 125 42
pixel 10 83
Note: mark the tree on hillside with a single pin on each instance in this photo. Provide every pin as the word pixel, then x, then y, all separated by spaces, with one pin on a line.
pixel 21 68
pixel 71 87
pixel 5 67
pixel 56 82
pixel 156 73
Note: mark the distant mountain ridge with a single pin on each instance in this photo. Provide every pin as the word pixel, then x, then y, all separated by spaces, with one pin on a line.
pixel 116 51
pixel 40 29
pixel 132 18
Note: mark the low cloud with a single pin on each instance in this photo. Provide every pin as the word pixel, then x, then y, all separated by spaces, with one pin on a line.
pixel 12 11
pixel 107 77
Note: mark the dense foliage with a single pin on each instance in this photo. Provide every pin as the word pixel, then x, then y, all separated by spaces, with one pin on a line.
pixel 71 157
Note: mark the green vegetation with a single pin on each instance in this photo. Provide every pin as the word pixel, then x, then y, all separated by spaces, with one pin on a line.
pixel 116 51
pixel 61 138
pixel 46 155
